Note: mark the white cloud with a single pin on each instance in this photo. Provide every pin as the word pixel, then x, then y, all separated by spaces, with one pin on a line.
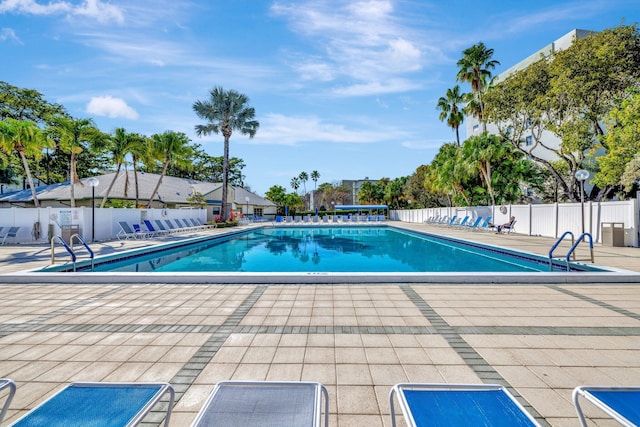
pixel 365 42
pixel 111 107
pixel 292 130
pixel 9 34
pixel 102 12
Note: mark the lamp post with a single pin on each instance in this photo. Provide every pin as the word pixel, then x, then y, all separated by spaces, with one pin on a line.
pixel 333 208
pixel 582 176
pixel 93 183
pixel 246 199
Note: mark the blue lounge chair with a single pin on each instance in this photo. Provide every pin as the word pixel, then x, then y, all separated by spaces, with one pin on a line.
pixel 162 228
pixel 462 223
pixel 8 384
pixel 13 232
pixel 458 405
pixel 620 403
pixel 475 224
pixel 264 403
pixel 99 404
pixel 154 231
pixel 127 232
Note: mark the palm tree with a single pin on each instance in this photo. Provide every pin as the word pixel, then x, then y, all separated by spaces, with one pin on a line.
pixel 451 111
pixel 295 183
pixel 304 177
pixel 474 68
pixel 169 148
pixel 25 138
pixel 118 148
pixel 139 149
pixel 72 136
pixel 315 175
pixel 226 111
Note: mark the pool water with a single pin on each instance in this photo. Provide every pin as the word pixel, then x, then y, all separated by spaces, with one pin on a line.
pixel 328 249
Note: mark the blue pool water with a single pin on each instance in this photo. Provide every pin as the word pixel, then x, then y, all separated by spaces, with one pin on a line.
pixel 329 249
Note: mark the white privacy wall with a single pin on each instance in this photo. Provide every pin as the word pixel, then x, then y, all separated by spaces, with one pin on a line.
pixel 550 220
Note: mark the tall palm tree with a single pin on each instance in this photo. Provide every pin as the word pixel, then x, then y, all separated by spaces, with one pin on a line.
pixel 451 111
pixel 304 177
pixel 475 68
pixel 25 138
pixel 118 148
pixel 295 183
pixel 139 148
pixel 169 148
pixel 73 136
pixel 226 111
pixel 315 175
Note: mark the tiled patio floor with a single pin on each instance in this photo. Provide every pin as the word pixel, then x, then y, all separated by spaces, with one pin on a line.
pixel 359 340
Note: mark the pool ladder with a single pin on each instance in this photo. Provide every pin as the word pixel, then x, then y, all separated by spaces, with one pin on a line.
pixel 574 245
pixel 70 249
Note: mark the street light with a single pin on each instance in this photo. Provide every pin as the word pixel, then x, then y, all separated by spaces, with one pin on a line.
pixel 246 199
pixel 582 176
pixel 333 208
pixel 93 183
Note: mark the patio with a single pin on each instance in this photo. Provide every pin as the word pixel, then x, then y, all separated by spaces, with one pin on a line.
pixel 358 340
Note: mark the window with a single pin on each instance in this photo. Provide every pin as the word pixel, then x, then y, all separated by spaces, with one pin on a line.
pixel 528 140
pixel 257 211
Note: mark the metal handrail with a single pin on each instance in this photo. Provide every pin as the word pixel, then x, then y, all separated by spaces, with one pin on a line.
pixel 555 245
pixel 573 248
pixel 84 243
pixel 53 253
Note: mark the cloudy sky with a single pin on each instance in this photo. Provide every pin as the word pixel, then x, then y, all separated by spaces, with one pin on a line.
pixel 347 88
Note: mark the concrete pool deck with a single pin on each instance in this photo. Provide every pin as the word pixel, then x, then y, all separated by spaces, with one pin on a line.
pixel 541 340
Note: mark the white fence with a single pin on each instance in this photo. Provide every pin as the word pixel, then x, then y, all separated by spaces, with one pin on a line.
pixel 36 225
pixel 545 220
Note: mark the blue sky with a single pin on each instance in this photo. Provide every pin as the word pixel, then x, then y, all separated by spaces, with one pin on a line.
pixel 347 88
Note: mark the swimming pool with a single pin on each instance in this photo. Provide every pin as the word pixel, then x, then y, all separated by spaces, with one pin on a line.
pixel 377 249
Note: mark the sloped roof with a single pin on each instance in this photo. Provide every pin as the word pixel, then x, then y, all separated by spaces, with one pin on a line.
pixel 172 190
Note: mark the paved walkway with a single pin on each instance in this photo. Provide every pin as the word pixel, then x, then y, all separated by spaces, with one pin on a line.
pixel 359 340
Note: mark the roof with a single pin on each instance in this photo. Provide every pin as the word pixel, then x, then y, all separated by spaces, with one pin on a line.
pixel 172 190
pixel 352 207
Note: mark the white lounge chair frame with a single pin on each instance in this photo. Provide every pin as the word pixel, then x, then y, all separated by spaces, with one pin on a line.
pixel 586 393
pixel 399 389
pixel 257 399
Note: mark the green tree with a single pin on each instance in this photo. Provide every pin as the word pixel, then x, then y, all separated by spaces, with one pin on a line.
pixel 416 191
pixel 74 136
pixel 475 68
pixel 295 183
pixel 304 177
pixel 277 194
pixel 226 111
pixel 447 175
pixel 569 94
pixel 25 138
pixel 26 104
pixel 169 147
pixel 118 147
pixel 623 142
pixel 451 111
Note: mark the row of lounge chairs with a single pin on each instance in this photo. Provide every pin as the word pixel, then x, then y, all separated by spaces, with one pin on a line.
pixel 479 223
pixel 266 403
pixel 274 403
pixel 333 219
pixel 136 231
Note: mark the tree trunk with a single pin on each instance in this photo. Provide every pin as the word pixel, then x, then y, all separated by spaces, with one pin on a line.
pixel 113 181
pixel 225 178
pixel 155 190
pixel 27 171
pixel 72 179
